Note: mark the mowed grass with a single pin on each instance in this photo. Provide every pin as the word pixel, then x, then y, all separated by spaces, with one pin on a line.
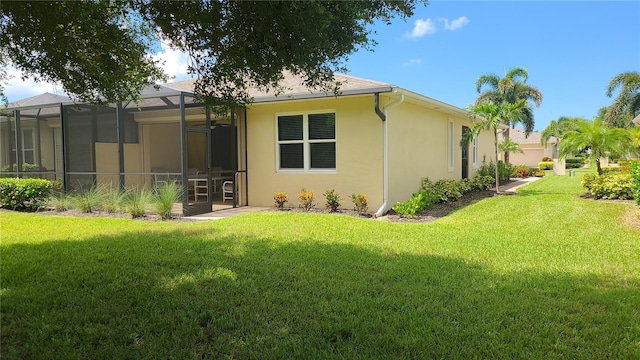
pixel 543 274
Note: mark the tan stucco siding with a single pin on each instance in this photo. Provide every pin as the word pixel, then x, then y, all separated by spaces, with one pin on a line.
pixel 419 147
pixel 533 154
pixel 358 152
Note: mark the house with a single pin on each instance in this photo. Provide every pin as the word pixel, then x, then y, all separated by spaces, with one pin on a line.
pixel 532 149
pixel 374 138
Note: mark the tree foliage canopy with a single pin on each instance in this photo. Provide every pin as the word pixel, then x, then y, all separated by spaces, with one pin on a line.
pixel 596 137
pixel 626 105
pixel 489 116
pixel 100 51
pixel 511 88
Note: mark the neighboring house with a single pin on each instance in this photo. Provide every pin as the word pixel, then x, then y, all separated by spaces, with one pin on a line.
pixel 375 138
pixel 531 146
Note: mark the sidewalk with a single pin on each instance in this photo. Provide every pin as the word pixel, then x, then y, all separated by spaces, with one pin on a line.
pixel 516 183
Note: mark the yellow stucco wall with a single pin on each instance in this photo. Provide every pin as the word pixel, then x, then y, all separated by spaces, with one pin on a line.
pixel 358 152
pixel 533 154
pixel 418 147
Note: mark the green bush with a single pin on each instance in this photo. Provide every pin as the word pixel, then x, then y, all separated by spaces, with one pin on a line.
pixel 635 180
pixel 25 167
pixel 419 202
pixel 611 186
pixel 332 200
pixel 573 163
pixel 482 182
pixel 545 165
pixel 445 190
pixel 24 194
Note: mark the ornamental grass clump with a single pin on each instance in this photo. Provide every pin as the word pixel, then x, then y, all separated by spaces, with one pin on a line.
pixel 165 197
pixel 88 200
pixel 306 199
pixel 332 200
pixel 136 201
pixel 60 202
pixel 112 200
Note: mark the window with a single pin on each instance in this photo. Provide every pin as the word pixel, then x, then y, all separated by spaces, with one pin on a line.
pixel 450 144
pixel 474 152
pixel 28 146
pixel 307 141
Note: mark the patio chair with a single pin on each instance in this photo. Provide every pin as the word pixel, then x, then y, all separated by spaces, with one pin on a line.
pixel 227 191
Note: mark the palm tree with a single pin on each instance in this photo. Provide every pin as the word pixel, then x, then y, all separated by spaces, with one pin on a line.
pixel 628 100
pixel 510 146
pixel 597 138
pixel 557 128
pixel 511 89
pixel 490 116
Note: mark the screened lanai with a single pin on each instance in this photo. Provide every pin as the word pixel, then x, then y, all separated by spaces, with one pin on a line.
pixel 164 137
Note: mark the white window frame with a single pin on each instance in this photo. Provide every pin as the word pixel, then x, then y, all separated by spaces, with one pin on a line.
pixel 450 145
pixel 22 152
pixel 306 147
pixel 474 152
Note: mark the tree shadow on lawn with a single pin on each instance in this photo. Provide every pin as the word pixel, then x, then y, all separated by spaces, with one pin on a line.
pixel 182 294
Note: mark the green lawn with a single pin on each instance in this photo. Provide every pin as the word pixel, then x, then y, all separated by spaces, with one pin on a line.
pixel 543 274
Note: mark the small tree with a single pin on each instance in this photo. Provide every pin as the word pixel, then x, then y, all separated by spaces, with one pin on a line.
pixel 597 139
pixel 489 116
pixel 509 146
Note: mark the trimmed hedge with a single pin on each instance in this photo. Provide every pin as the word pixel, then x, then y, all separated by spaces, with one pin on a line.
pixel 611 186
pixel 545 165
pixel 24 194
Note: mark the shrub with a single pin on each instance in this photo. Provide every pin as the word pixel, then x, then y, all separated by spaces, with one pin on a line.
pixel 612 186
pixel 332 200
pixel 166 196
pixel 635 180
pixel 545 165
pixel 306 199
pixel 279 199
pixel 482 182
pixel 419 202
pixel 445 190
pixel 623 169
pixel 25 167
pixel 504 170
pixel 521 171
pixel 136 201
pixel 538 173
pixel 464 185
pixel 360 203
pixel 547 159
pixel 24 194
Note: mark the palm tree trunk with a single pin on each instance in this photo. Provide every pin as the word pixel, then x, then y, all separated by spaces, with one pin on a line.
pixel 598 167
pixel 495 144
pixel 505 136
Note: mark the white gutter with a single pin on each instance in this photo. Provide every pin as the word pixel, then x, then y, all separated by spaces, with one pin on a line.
pixel 385 157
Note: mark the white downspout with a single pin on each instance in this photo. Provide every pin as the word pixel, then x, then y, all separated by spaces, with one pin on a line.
pixel 385 158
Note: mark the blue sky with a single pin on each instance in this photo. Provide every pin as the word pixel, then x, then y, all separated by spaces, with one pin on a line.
pixel 571 50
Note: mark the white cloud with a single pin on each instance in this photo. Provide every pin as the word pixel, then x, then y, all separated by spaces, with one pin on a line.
pixel 455 24
pixel 175 64
pixel 412 62
pixel 422 27
pixel 18 89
